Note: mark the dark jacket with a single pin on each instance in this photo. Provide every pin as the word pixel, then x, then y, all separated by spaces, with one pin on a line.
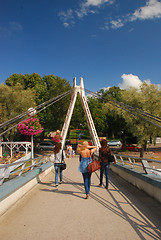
pixel 104 155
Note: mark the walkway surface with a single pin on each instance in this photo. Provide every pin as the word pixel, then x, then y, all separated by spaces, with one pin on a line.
pixel 47 213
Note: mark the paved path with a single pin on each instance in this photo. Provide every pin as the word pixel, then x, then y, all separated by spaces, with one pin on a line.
pixel 47 213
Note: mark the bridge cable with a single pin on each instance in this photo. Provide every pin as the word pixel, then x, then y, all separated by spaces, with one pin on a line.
pixel 26 113
pixel 128 108
pixel 58 99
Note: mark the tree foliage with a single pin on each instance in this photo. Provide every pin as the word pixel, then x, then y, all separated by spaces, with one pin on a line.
pixel 44 89
pixel 78 118
pixel 109 120
pixel 54 116
pixel 147 99
pixel 26 80
pixel 97 114
pixel 14 100
pixel 112 93
pixel 114 124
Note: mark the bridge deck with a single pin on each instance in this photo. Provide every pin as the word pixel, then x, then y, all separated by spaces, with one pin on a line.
pixel 45 213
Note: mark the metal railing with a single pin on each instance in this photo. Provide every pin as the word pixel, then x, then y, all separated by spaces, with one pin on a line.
pixel 11 146
pixel 143 165
pixel 9 171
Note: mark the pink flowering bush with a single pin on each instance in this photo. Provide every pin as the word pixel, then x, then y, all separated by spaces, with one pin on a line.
pixel 57 138
pixel 30 127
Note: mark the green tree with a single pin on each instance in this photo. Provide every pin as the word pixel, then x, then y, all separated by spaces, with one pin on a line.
pixel 30 81
pixel 53 117
pixel 78 116
pixel 98 115
pixel 26 80
pixel 44 89
pixel 113 123
pixel 112 93
pixel 14 101
pixel 148 99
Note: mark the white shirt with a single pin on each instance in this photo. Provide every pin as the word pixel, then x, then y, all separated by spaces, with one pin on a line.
pixel 58 156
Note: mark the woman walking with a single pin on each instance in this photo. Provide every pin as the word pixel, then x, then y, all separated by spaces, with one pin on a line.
pixel 59 156
pixel 104 153
pixel 69 151
pixel 86 152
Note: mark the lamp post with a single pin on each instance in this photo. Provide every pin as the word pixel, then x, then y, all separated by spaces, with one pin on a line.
pixel 32 113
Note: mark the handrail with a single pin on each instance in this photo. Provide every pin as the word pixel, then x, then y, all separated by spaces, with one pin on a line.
pixel 6 170
pixel 130 160
pixel 20 167
pixel 16 145
pixel 139 158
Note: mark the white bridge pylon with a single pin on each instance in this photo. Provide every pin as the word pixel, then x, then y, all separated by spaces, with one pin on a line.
pixel 91 126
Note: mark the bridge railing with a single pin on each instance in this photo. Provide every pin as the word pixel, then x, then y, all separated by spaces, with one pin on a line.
pixel 14 146
pixel 9 171
pixel 17 168
pixel 143 165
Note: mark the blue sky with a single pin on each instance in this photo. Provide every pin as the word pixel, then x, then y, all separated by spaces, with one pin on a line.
pixel 107 42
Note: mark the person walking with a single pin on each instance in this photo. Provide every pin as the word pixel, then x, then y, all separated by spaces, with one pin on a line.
pixel 69 151
pixel 59 156
pixel 86 152
pixel 104 153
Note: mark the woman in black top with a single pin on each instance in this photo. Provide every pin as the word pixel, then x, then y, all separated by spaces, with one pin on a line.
pixel 104 152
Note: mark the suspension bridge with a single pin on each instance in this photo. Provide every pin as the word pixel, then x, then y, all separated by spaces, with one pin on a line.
pixel 31 206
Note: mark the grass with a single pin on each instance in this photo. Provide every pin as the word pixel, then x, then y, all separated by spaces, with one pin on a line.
pixel 74 134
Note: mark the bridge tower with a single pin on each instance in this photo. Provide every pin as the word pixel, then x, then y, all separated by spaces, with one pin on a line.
pixel 79 89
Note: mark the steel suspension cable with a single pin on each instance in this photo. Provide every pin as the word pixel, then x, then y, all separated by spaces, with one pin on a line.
pixel 11 121
pixel 130 107
pixel 158 119
pixel 58 99
pixel 127 108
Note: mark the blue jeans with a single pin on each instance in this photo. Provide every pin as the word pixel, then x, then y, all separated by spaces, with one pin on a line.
pixel 106 168
pixel 57 170
pixel 87 181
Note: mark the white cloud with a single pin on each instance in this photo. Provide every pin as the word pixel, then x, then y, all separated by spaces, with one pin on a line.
pixel 66 24
pixel 85 8
pixel 67 17
pixel 130 80
pixel 147 81
pixel 117 24
pixel 152 9
pixel 159 86
pixel 12 28
pixel 91 6
pixel 89 3
pixel 106 88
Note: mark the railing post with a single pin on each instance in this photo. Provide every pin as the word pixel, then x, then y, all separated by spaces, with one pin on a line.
pixel 1 151
pixel 146 166
pixel 32 147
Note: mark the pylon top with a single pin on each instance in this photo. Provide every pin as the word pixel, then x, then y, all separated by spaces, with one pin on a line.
pixel 80 89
